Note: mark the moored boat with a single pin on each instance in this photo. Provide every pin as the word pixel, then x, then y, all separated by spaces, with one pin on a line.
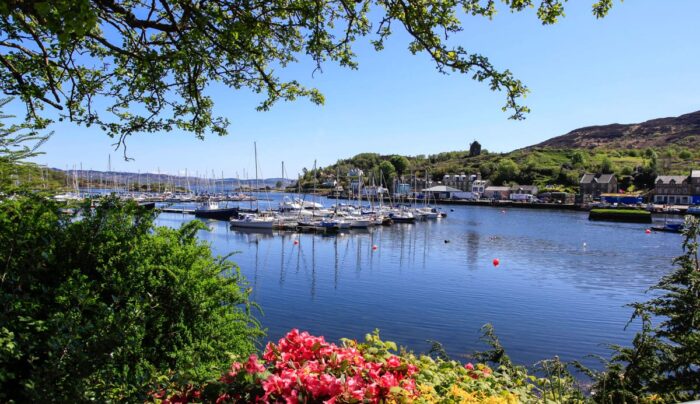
pixel 252 221
pixel 669 228
pixel 212 210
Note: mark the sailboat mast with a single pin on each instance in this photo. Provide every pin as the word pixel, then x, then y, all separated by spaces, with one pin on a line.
pixel 255 149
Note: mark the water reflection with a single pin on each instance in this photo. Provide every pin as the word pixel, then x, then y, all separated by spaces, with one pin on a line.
pixel 434 280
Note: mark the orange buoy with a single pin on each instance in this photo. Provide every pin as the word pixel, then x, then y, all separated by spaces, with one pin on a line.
pixel 647 231
pixel 496 262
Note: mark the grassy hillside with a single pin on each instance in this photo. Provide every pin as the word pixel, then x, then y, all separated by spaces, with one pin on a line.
pixel 560 168
pixel 636 153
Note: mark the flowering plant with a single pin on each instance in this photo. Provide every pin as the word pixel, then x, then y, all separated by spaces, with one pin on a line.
pixel 302 368
pixel 305 368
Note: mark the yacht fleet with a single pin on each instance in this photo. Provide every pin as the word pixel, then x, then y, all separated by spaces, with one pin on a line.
pixel 300 215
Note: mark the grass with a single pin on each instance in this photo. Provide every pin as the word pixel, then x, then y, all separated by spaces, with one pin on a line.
pixel 638 212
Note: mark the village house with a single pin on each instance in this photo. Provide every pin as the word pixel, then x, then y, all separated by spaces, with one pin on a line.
pixel 593 185
pixel 459 181
pixel 677 189
pixel 497 193
pixel 417 182
pixel 479 186
pixel 440 192
pixel 695 186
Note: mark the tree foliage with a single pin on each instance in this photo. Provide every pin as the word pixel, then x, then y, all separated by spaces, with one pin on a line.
pixel 507 170
pixel 18 141
pixel 400 163
pixel 95 308
pixel 387 171
pixel 144 66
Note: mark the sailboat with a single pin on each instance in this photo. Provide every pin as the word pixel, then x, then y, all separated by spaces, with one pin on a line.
pixel 252 220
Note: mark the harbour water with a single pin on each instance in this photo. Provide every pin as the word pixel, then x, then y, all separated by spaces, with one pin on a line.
pixel 560 289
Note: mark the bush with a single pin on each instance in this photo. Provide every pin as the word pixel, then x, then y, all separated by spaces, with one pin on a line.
pixel 96 307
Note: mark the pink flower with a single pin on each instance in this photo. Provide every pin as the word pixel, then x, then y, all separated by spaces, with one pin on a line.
pixel 411 370
pixel 393 362
pixel 253 366
pixel 388 380
pixel 469 366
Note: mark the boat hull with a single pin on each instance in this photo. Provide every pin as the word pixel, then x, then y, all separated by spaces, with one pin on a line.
pixel 216 214
pixel 243 224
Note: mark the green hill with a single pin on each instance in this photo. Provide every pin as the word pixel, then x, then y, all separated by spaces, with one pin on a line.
pixel 636 153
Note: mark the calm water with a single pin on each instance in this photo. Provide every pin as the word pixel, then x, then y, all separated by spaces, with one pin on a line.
pixel 560 288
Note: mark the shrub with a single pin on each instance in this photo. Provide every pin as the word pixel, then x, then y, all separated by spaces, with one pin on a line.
pixel 95 307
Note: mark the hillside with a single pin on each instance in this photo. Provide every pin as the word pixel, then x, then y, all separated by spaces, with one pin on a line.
pixel 636 153
pixel 682 131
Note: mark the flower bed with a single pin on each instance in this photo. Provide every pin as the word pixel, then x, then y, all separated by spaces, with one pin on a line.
pixel 305 368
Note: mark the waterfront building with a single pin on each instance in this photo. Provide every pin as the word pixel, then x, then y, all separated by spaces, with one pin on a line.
pixel 440 192
pixel 497 193
pixel 419 182
pixel 623 199
pixel 479 186
pixel 403 189
pixel 593 185
pixel 695 185
pixel 523 192
pixel 459 181
pixel 678 189
pixel 557 197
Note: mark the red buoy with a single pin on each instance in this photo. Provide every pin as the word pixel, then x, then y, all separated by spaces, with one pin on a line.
pixel 374 247
pixel 296 242
pixel 496 262
pixel 647 231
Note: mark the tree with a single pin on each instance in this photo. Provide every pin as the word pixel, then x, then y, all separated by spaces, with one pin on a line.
pixel 15 140
pixel 95 309
pixel 606 166
pixel 577 159
pixel 387 172
pixel 507 170
pixel 474 149
pixel 144 66
pixel 400 163
pixel 278 184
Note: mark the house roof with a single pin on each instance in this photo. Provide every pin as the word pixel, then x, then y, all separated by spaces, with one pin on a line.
pixel 605 178
pixel 530 188
pixel 599 178
pixel 587 178
pixel 497 189
pixel 695 174
pixel 441 188
pixel 666 179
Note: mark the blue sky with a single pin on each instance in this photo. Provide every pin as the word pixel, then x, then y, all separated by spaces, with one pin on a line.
pixel 640 62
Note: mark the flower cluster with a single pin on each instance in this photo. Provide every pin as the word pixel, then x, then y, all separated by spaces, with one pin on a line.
pixel 480 371
pixel 307 367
